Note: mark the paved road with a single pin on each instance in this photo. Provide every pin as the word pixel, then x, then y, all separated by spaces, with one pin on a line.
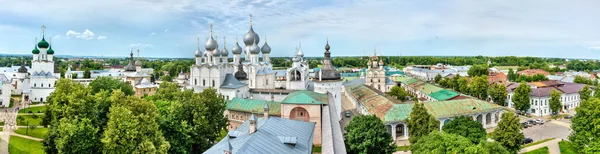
pixel 25 136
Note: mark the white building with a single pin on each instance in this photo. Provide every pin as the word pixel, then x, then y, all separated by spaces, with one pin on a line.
pixel 297 76
pixel 44 73
pixel 376 75
pixel 5 91
pixel 540 96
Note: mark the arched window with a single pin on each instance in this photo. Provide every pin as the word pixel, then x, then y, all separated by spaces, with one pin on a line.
pixel 42 85
pixel 203 82
pixel 35 85
pixel 49 85
pixel 213 83
pixel 267 82
pixel 195 81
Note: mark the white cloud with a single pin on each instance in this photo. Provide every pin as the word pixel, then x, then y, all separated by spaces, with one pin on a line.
pixel 152 34
pixel 57 37
pixel 101 37
pixel 86 35
pixel 140 45
pixel 166 30
pixel 594 48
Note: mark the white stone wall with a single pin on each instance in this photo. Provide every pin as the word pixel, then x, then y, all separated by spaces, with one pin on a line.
pixel 333 87
pixel 5 93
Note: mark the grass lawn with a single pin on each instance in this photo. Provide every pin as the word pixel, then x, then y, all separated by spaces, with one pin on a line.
pixel 33 120
pixel 2 123
pixel 559 116
pixel 2 128
pixel 538 142
pixel 402 148
pixel 40 109
pixel 543 150
pixel 36 132
pixel 23 145
pixel 567 147
pixel 316 149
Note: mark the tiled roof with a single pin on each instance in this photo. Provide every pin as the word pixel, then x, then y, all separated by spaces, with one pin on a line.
pixel 570 88
pixel 266 139
pixel 398 112
pixel 453 108
pixel 305 97
pixel 253 106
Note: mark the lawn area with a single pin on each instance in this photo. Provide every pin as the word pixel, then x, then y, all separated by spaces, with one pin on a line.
pixel 37 109
pixel 25 146
pixel 33 120
pixel 402 148
pixel 538 142
pixel 559 116
pixel 316 149
pixel 543 150
pixel 36 132
pixel 567 147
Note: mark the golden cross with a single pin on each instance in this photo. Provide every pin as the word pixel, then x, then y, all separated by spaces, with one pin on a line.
pixel 250 19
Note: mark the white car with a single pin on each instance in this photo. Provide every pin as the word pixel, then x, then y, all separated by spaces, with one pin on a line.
pixel 539 121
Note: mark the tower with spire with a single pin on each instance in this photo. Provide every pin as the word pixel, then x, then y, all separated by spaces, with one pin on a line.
pixel 328 81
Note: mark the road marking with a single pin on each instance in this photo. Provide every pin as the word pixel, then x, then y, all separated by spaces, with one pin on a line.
pixel 561 123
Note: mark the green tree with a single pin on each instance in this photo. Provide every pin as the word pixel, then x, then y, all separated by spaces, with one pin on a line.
pixel 87 74
pixel 398 92
pixel 512 76
pixel 585 93
pixel 109 84
pixel 442 142
pixel 421 123
pixel 132 127
pixel 555 104
pixel 508 132
pixel 479 86
pixel 438 78
pixel 498 93
pixel 367 134
pixel 466 127
pixel 585 134
pixel 521 97
pixel 478 70
pixel 77 136
pixel 539 77
pixel 167 78
pixel 74 76
pixel 463 85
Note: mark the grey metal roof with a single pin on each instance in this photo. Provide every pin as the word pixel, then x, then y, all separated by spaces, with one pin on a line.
pixel 388 81
pixel 327 72
pixel 332 137
pixel 354 82
pixel 280 73
pixel 570 88
pixel 266 139
pixel 3 78
pixel 231 82
pixel 131 66
pixel 43 74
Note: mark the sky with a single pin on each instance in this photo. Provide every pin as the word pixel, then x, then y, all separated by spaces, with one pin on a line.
pixel 169 28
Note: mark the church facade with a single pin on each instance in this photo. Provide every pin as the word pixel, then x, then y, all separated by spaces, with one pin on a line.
pixel 44 73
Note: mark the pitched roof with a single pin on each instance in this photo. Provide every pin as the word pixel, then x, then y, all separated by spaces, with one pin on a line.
pixel 253 106
pixel 305 97
pixel 267 138
pixel 443 95
pixel 231 82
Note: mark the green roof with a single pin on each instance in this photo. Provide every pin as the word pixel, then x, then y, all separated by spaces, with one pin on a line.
pixel 429 89
pixel 443 95
pixel 442 109
pixel 398 112
pixel 35 50
pixel 50 51
pixel 254 106
pixel 305 97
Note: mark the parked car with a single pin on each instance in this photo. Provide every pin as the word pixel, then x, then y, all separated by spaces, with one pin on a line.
pixel 568 116
pixel 347 113
pixel 532 122
pixel 539 121
pixel 527 140
pixel 524 125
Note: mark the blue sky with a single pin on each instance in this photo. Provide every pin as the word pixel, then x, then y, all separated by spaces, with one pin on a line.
pixel 169 28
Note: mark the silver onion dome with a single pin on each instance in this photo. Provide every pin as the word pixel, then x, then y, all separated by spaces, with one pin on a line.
pixel 299 52
pixel 254 49
pixel 295 59
pixel 266 48
pixel 251 36
pixel 224 52
pixel 198 53
pixel 236 49
pixel 211 44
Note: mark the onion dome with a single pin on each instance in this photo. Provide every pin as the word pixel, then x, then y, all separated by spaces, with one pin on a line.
pixel 254 49
pixel 35 50
pixel 224 52
pixel 266 48
pixel 130 67
pixel 236 49
pixel 138 62
pixel 380 62
pixel 240 74
pixel 327 46
pixel 22 69
pixel 50 51
pixel 205 53
pixel 211 44
pixel 295 59
pixel 251 36
pixel 369 63
pixel 327 72
pixel 198 53
pixel 43 43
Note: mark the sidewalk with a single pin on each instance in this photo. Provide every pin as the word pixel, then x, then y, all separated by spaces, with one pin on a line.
pixel 25 136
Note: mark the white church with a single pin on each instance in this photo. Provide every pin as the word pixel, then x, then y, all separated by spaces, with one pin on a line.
pixel 242 76
pixel 44 73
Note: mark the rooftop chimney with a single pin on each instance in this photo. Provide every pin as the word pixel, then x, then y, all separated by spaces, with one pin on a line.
pixel 266 111
pixel 252 128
